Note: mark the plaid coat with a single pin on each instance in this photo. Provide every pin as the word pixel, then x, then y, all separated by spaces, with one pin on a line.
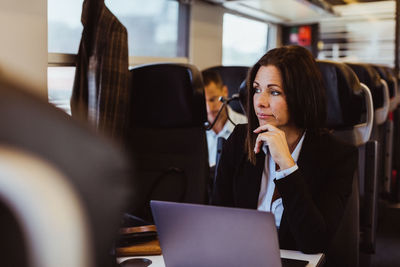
pixel 100 93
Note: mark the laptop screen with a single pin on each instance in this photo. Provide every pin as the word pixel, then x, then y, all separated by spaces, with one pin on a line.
pixel 200 235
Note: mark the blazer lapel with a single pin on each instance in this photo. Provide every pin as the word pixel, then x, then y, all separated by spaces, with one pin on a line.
pixel 248 181
pixel 309 154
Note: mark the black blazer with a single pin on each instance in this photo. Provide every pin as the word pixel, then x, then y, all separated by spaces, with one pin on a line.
pixel 314 196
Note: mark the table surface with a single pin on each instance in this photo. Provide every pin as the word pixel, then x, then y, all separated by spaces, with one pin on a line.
pixel 314 259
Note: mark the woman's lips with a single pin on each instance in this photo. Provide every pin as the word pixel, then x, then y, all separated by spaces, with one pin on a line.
pixel 264 116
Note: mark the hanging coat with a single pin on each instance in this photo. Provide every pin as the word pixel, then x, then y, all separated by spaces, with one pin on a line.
pixel 100 92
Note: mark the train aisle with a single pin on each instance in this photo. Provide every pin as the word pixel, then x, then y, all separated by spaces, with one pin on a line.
pixel 388 237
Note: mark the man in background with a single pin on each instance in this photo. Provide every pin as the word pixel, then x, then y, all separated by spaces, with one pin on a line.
pixel 228 118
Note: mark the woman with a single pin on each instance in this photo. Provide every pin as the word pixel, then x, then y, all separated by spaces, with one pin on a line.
pixel 282 160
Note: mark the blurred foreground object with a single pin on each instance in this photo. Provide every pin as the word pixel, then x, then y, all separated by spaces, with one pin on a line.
pixel 96 170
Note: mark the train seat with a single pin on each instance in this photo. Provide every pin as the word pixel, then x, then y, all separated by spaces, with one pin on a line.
pixel 395 185
pixel 232 77
pixel 38 203
pixel 350 116
pixel 95 169
pixel 368 75
pixel 167 137
pixel 348 104
pixel 378 87
pixel 387 74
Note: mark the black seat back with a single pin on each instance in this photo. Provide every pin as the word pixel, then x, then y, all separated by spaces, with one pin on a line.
pixel 167 96
pixel 387 74
pixel 345 98
pixel 167 137
pixel 232 77
pixel 370 77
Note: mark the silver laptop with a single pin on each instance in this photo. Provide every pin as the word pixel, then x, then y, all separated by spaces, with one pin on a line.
pixel 207 236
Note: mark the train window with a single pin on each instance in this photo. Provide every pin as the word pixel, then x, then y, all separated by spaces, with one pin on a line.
pixel 154 28
pixel 64 25
pixel 157 30
pixel 244 40
pixel 59 82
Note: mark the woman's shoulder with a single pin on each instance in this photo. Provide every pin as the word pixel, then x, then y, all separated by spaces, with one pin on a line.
pixel 236 141
pixel 239 132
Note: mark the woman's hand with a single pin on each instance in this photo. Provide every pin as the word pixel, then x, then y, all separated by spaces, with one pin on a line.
pixel 277 145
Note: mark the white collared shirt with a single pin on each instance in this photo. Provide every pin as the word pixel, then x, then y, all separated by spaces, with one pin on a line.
pixel 267 187
pixel 212 137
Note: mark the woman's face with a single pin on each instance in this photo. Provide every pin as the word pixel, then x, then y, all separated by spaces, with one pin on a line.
pixel 269 98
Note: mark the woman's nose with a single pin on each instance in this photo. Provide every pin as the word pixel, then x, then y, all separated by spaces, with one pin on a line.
pixel 262 100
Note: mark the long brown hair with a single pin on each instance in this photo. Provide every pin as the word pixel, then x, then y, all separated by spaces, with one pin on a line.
pixel 302 84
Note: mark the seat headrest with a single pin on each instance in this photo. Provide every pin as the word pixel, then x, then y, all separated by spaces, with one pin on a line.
pixel 345 100
pixel 232 77
pixel 370 77
pixel 167 95
pixel 387 74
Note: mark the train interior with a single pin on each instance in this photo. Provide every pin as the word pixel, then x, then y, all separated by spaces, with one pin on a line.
pixel 140 135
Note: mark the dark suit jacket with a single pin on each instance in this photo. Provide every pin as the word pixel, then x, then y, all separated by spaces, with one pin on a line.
pixel 100 93
pixel 314 196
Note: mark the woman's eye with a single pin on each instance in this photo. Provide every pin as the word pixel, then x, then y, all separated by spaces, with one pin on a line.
pixel 275 93
pixel 257 90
